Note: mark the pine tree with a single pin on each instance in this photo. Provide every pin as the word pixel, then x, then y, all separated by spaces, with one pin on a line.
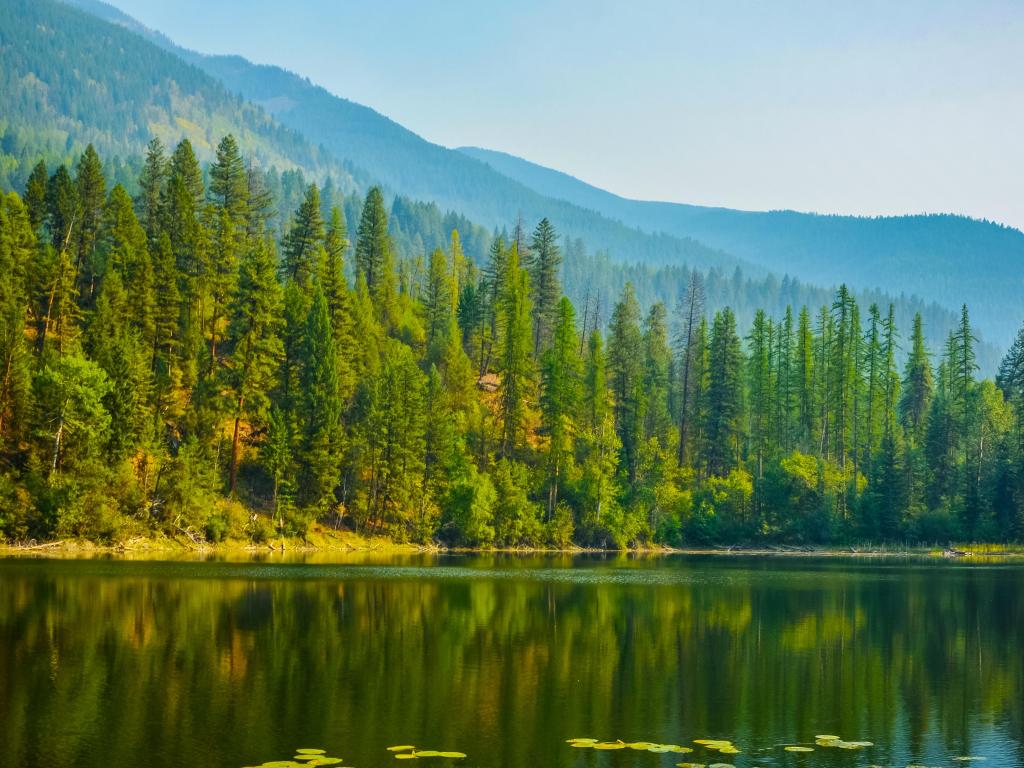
pixel 461 268
pixel 690 313
pixel 255 344
pixel 229 185
pixel 321 410
pixel 761 386
pixel 625 369
pixel 17 249
pixel 561 372
pixel 185 195
pixel 166 319
pixel 305 242
pixel 120 351
pixel 917 386
pixel 331 273
pixel 92 193
pixel 787 389
pixel 222 278
pixel 122 248
pixel 544 266
pixel 62 210
pixel 492 287
pixel 437 303
pixel 598 445
pixel 806 376
pixel 375 255
pixel 35 197
pixel 515 364
pixel 657 376
pixel 152 191
pixel 725 396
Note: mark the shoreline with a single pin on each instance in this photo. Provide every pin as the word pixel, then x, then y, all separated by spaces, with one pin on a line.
pixel 328 543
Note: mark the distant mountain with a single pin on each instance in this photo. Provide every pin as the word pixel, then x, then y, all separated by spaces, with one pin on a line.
pixel 409 165
pixel 67 79
pixel 70 78
pixel 943 258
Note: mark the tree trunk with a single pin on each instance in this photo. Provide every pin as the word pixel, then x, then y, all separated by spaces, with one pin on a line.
pixel 234 448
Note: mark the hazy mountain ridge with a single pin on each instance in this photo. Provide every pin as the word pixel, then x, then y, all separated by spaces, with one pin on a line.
pixel 64 85
pixel 279 89
pixel 939 257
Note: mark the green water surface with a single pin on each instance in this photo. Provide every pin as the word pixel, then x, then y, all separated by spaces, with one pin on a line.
pixel 117 664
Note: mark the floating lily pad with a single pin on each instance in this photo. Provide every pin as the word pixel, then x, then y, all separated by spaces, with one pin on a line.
pixel 405 756
pixel 798 749
pixel 610 745
pixel 581 742
pixel 690 765
pixel 454 755
pixel 308 751
pixel 828 738
pixel 401 748
pixel 967 759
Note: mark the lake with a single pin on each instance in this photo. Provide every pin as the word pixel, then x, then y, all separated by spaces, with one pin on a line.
pixel 126 663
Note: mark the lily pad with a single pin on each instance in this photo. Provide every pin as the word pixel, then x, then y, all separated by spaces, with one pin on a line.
pixel 400 748
pixel 798 749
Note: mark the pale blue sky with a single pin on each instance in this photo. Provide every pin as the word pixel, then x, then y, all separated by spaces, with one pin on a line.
pixel 855 107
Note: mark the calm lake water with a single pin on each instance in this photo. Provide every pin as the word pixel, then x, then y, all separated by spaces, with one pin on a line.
pixel 117 664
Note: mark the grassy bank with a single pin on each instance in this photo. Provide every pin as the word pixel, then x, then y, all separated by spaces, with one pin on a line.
pixel 321 542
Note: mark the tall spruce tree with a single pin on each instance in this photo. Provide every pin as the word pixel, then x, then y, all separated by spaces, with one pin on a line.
pixel 544 266
pixel 561 373
pixel 256 347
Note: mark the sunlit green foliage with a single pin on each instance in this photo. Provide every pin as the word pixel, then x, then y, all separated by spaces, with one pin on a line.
pixel 168 371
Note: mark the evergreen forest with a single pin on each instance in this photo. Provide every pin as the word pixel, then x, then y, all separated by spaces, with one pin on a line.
pixel 209 356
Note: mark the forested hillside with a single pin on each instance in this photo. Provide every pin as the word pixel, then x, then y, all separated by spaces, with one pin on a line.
pixel 172 363
pixel 69 79
pixel 175 100
pixel 942 258
pixel 939 258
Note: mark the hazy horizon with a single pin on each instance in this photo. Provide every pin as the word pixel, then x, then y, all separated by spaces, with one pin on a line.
pixel 859 109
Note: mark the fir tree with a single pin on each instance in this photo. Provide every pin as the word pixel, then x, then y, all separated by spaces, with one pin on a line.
pixel 561 372
pixel 255 344
pixel 543 266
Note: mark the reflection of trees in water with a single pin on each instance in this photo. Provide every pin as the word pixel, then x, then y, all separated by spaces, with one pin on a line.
pixel 100 671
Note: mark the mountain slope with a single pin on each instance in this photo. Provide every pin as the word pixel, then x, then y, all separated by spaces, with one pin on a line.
pixel 409 165
pixel 64 83
pixel 146 72
pixel 947 259
pixel 944 258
